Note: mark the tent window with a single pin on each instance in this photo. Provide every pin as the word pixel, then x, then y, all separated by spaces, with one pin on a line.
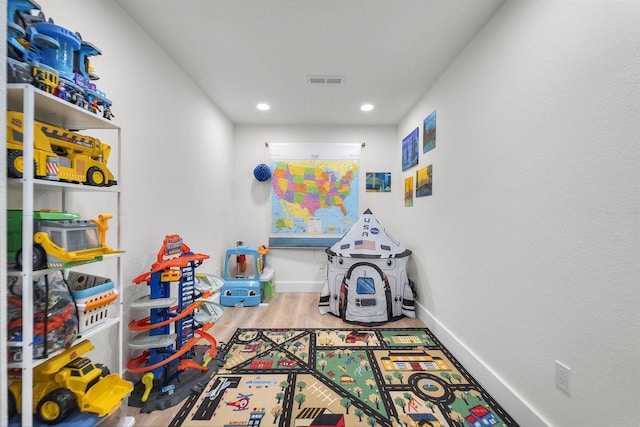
pixel 365 285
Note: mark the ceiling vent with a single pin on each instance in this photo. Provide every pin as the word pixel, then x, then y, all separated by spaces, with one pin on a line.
pixel 326 80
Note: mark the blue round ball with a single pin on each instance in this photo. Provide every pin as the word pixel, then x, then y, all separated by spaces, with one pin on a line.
pixel 262 172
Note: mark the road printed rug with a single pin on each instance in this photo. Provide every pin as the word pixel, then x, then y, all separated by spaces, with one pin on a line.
pixel 340 377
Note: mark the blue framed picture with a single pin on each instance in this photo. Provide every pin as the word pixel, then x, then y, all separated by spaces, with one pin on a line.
pixel 378 182
pixel 429 133
pixel 410 150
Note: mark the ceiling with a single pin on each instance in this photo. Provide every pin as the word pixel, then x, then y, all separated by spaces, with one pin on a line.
pixel 242 52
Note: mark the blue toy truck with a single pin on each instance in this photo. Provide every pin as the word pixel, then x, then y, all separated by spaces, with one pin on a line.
pixel 241 276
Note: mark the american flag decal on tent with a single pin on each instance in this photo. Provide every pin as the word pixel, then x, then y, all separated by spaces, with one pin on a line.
pixel 365 244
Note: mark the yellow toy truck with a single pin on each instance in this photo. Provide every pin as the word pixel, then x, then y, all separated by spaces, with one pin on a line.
pixel 59 154
pixel 69 381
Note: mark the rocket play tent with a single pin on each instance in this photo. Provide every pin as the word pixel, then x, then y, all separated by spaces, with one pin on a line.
pixel 367 279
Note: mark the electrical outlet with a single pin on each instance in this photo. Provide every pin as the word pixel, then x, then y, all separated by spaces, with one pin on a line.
pixel 563 374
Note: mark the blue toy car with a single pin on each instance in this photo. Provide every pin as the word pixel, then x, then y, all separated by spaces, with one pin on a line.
pixel 241 277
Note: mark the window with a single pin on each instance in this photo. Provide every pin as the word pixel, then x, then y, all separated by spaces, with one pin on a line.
pixel 366 285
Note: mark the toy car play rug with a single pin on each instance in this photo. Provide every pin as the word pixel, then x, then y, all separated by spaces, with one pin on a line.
pixel 340 377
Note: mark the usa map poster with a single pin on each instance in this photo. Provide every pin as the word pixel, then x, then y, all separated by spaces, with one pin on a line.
pixel 314 193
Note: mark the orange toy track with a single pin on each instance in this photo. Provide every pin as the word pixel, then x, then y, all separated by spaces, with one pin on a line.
pixel 144 325
pixel 133 364
pixel 180 261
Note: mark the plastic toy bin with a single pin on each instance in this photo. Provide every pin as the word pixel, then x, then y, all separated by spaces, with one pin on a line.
pixel 55 326
pixel 94 296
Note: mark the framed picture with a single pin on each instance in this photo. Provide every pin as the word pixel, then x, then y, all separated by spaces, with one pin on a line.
pixel 378 182
pixel 429 133
pixel 410 150
pixel 424 181
pixel 408 191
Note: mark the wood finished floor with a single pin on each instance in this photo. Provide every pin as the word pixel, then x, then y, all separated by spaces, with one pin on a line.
pixel 285 310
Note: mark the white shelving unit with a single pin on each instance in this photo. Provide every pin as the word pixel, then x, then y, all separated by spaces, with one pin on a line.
pixel 41 106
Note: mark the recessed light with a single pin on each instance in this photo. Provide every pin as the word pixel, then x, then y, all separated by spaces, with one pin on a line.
pixel 262 106
pixel 366 107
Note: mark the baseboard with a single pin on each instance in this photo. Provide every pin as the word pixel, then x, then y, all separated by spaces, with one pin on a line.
pixel 508 398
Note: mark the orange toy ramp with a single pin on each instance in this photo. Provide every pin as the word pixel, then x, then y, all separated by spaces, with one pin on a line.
pixel 177 262
pixel 136 365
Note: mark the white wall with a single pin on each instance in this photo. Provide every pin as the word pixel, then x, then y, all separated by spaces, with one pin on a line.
pixel 528 250
pixel 177 145
pixel 303 270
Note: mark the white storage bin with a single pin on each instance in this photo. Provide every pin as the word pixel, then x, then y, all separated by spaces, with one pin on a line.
pixel 94 297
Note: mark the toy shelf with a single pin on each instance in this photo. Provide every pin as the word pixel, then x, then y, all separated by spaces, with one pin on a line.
pixel 44 185
pixel 35 104
pixel 49 109
pixel 109 323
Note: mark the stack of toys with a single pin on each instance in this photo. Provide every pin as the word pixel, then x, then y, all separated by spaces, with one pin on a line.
pixel 53 58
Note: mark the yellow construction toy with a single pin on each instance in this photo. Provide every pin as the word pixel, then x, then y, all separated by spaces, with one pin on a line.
pixel 58 153
pixel 69 381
